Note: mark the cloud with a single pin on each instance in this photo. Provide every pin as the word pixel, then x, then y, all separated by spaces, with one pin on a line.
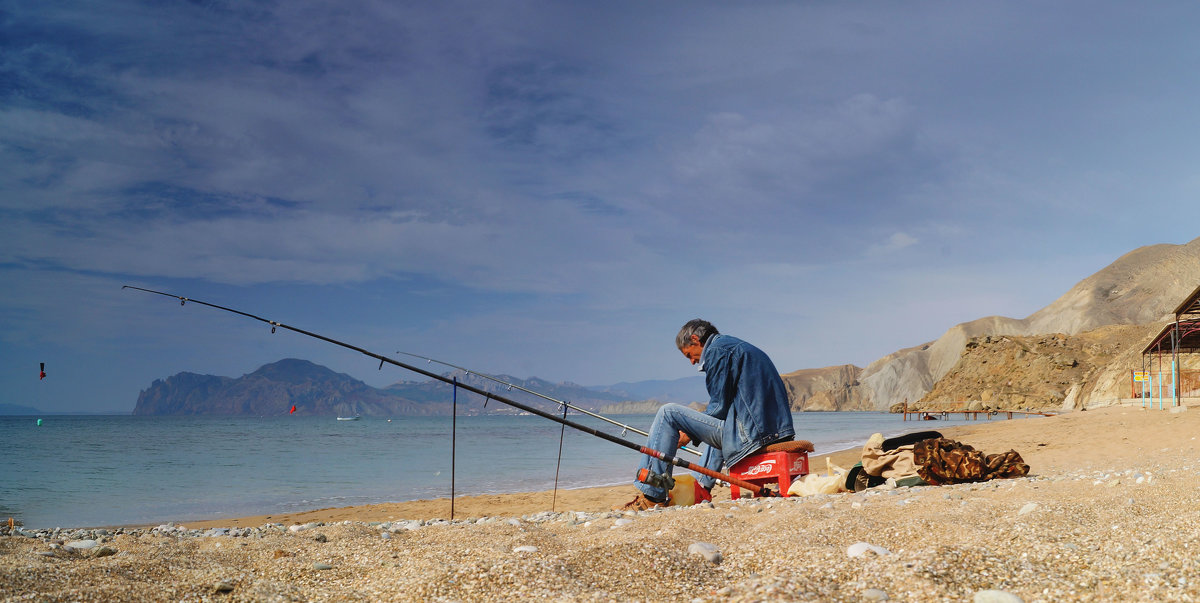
pixel 237 146
pixel 789 167
pixel 892 244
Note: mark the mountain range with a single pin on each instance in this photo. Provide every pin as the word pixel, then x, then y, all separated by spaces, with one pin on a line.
pixel 1078 350
pixel 17 409
pixel 316 390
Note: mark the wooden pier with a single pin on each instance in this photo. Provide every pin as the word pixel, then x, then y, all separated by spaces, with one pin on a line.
pixel 961 408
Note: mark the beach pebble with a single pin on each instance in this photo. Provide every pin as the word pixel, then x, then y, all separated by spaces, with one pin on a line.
pixel 622 522
pixel 81 545
pixel 401 526
pixel 525 549
pixel 322 566
pixel 104 551
pixel 874 594
pixel 859 549
pixel 223 586
pixel 319 537
pixel 709 551
pixel 1027 509
pixel 995 596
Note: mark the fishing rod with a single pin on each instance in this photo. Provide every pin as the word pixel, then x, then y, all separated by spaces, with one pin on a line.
pixel 755 489
pixel 560 403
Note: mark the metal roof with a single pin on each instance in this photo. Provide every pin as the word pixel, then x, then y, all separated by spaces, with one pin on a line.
pixel 1191 305
pixel 1189 338
pixel 1187 319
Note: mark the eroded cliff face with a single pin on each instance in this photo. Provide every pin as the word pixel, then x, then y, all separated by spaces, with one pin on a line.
pixel 829 388
pixel 1056 371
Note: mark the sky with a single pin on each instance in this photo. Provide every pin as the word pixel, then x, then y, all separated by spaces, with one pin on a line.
pixel 552 189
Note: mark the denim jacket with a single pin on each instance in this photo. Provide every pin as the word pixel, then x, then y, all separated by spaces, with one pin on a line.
pixel 746 392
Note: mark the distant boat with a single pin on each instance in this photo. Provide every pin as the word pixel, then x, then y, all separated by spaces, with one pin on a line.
pixel 354 418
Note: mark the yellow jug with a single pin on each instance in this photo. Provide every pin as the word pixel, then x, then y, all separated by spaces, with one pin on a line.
pixel 687 491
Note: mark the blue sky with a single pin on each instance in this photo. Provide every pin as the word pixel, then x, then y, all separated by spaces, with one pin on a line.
pixel 552 188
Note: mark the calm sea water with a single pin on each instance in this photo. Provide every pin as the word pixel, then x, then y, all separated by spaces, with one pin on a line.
pixel 75 471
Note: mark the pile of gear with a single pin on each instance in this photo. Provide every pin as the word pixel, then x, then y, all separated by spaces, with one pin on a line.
pixel 924 458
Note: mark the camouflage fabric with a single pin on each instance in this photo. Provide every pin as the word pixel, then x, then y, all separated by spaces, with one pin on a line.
pixel 941 461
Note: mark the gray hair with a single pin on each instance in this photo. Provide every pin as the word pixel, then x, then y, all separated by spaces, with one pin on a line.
pixel 700 328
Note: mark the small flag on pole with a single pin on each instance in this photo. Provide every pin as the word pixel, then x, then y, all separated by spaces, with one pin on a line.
pixel 42 371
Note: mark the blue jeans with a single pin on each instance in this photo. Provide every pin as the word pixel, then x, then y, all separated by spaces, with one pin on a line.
pixel 664 437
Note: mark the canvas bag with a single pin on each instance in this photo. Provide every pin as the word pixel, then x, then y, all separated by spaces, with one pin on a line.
pixel 891 458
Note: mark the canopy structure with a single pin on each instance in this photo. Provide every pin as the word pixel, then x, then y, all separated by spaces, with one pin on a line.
pixel 1161 376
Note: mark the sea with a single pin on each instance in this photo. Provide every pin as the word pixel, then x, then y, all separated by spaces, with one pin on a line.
pixel 123 470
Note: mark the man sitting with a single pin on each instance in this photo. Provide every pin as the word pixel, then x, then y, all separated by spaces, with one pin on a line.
pixel 747 409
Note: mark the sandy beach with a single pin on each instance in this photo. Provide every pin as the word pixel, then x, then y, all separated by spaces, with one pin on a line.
pixel 1110 512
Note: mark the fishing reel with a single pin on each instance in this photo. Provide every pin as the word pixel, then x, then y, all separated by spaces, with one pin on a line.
pixel 658 480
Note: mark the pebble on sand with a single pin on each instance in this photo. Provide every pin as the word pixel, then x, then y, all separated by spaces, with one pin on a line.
pixel 874 594
pixel 709 551
pixel 859 549
pixel 995 596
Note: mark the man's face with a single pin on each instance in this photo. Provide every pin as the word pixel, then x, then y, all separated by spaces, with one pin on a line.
pixel 693 350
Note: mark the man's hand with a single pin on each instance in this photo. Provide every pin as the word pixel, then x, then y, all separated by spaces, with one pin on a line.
pixel 683 440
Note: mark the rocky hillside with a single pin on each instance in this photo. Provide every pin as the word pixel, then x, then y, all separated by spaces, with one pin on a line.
pixel 1139 289
pixel 1043 371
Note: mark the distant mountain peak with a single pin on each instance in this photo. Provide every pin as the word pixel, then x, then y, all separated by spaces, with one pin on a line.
pixel 290 368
